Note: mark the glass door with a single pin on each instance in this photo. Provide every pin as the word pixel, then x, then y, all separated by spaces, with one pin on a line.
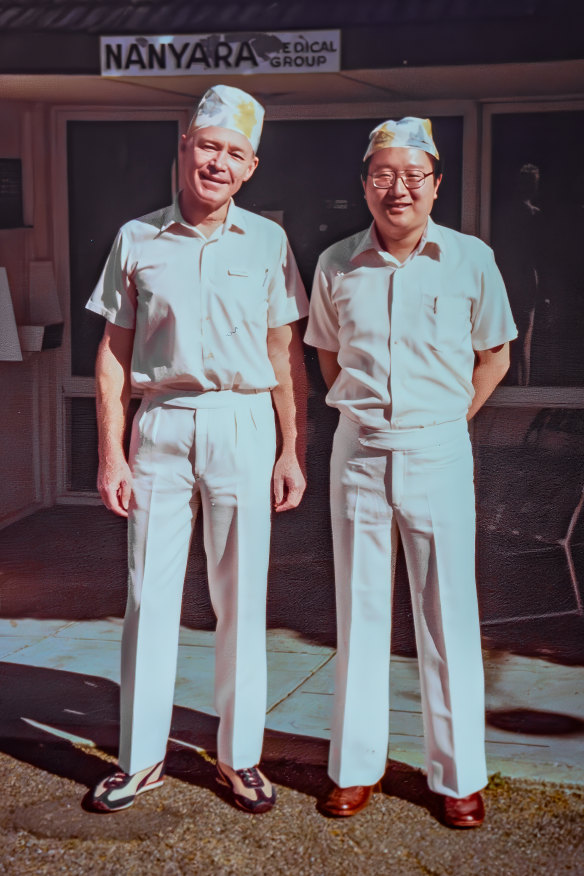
pixel 117 169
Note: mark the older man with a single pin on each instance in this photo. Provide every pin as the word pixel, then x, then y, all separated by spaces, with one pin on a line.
pixel 200 299
pixel 412 323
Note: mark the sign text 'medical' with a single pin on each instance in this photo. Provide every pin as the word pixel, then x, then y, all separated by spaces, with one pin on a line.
pixel 315 51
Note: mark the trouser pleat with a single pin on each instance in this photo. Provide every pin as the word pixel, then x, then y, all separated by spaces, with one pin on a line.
pixel 237 548
pixel 363 537
pixel 159 531
pixel 440 557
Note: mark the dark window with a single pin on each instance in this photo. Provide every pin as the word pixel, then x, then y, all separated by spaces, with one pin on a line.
pixel 116 172
pixel 537 229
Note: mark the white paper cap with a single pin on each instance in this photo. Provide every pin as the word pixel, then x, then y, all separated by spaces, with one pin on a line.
pixel 407 132
pixel 224 106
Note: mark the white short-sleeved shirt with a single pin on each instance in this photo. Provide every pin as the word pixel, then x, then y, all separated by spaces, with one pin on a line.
pixel 201 307
pixel 406 334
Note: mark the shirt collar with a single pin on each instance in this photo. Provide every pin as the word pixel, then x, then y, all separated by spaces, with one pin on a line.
pixel 234 220
pixel 431 235
pixel 172 215
pixel 369 240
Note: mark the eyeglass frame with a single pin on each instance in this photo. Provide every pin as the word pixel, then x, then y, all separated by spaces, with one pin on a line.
pixel 399 175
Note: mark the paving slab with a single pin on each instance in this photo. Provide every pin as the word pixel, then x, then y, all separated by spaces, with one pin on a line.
pixel 535 708
pixel 84 656
pixel 109 629
pixel 196 673
pixel 34 627
pixel 291 642
pixel 10 645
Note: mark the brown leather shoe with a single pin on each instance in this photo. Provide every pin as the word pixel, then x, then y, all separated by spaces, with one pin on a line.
pixel 340 802
pixel 464 811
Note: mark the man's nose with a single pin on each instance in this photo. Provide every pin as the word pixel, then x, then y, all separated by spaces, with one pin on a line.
pixel 398 179
pixel 220 159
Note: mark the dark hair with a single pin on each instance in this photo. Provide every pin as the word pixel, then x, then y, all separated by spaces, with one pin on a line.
pixel 436 162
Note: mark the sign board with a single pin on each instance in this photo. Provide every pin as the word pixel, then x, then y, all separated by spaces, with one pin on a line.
pixel 315 51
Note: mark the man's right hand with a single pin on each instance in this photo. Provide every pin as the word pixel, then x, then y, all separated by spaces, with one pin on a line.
pixel 114 482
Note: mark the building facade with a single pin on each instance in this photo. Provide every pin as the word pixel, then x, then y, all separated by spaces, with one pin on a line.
pixel 92 102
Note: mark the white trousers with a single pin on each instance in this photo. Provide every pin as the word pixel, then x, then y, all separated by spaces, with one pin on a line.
pixel 221 459
pixel 426 496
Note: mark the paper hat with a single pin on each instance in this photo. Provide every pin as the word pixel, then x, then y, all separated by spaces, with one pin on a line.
pixel 223 106
pixel 408 132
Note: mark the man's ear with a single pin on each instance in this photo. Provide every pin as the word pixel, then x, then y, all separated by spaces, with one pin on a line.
pixel 251 169
pixel 436 186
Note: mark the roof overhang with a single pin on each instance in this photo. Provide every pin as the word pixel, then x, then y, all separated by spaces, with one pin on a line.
pixel 472 82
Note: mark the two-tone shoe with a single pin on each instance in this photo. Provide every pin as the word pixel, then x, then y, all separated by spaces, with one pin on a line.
pixel 249 788
pixel 463 811
pixel 119 790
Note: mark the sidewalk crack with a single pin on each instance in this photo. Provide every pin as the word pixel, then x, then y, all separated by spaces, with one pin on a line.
pixel 299 685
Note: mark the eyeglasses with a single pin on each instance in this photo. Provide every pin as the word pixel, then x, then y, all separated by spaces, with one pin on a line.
pixel 412 179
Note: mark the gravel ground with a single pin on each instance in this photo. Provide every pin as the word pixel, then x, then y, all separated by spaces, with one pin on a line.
pixel 188 826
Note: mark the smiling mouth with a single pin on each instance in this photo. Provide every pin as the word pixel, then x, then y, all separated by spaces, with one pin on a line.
pixel 206 178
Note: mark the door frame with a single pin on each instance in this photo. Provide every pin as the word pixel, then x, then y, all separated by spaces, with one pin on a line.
pixel 69 386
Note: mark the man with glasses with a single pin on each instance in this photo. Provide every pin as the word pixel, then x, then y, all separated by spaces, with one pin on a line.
pixel 201 298
pixel 412 324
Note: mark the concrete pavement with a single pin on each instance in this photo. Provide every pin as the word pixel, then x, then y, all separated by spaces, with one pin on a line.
pixel 58 736
pixel 535 708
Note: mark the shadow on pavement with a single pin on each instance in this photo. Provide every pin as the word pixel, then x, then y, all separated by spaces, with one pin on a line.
pixel 533 722
pixel 40 708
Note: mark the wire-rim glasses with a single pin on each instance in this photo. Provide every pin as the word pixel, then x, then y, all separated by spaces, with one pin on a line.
pixel 412 179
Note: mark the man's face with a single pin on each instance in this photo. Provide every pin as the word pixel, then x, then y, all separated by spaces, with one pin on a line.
pixel 215 164
pixel 399 211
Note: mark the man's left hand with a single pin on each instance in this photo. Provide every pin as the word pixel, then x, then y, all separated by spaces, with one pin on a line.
pixel 289 483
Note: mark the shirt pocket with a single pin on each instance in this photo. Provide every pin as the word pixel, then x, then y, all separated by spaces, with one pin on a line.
pixel 445 320
pixel 247 292
pixel 258 275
